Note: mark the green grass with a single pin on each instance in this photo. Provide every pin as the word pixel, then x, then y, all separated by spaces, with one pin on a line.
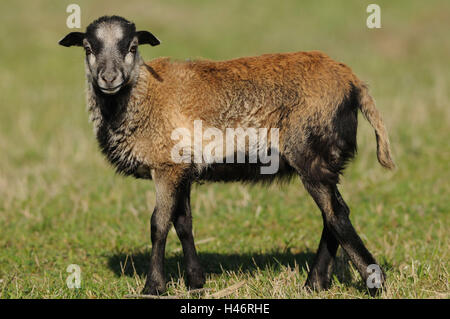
pixel 61 203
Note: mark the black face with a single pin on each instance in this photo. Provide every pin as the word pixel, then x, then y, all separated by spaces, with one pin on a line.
pixel 110 43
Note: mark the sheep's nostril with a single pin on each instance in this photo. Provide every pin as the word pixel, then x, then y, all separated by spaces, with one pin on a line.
pixel 109 77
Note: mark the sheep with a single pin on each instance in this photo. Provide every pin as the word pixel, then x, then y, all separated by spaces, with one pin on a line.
pixel 309 98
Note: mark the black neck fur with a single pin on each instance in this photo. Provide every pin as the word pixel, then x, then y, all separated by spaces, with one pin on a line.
pixel 113 107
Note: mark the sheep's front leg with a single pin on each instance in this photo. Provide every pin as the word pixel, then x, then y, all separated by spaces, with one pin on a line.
pixel 183 225
pixel 167 200
pixel 160 224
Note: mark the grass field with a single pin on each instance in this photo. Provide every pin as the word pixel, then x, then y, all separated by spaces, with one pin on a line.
pixel 62 204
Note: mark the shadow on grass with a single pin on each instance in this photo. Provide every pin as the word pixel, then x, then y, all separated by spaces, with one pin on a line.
pixel 137 263
pixel 129 264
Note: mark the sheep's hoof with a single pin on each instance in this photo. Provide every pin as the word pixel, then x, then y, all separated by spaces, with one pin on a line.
pixel 195 278
pixel 153 288
pixel 375 292
pixel 317 284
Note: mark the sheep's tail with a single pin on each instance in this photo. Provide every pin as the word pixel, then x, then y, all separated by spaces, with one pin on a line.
pixel 370 112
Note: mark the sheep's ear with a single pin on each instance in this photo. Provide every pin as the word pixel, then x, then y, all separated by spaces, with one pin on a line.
pixel 73 38
pixel 145 37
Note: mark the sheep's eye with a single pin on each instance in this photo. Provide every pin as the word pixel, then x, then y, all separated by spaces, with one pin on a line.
pixel 133 49
pixel 88 50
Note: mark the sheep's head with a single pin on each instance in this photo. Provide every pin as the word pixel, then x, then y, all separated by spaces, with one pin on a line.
pixel 112 58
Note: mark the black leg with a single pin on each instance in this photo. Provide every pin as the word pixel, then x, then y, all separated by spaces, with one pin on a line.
pixel 322 268
pixel 167 200
pixel 336 218
pixel 155 283
pixel 183 226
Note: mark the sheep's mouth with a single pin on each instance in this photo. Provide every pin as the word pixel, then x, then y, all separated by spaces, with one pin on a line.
pixel 111 90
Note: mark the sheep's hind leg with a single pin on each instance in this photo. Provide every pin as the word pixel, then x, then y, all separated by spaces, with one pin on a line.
pixel 183 226
pixel 319 276
pixel 336 217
